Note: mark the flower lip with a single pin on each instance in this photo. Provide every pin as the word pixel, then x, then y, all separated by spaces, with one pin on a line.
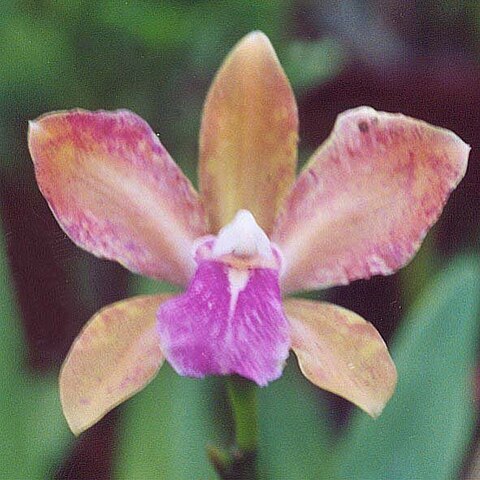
pixel 230 320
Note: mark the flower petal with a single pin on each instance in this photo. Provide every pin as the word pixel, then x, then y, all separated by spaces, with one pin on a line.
pixel 248 139
pixel 115 356
pixel 229 321
pixel 365 201
pixel 340 352
pixel 116 192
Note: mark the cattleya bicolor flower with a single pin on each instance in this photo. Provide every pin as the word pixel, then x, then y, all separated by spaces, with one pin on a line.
pixel 252 235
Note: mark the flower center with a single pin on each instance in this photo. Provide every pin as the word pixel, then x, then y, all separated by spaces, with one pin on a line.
pixel 242 237
pixel 241 244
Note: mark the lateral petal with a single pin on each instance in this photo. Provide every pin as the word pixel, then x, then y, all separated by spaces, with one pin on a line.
pixel 248 137
pixel 116 192
pixel 367 198
pixel 339 351
pixel 116 355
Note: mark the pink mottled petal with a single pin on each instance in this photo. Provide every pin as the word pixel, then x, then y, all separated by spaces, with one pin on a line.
pixel 116 192
pixel 340 352
pixel 248 139
pixel 116 355
pixel 367 198
pixel 229 321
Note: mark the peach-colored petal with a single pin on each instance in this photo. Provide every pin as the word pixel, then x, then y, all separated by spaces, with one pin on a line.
pixel 116 192
pixel 248 139
pixel 340 352
pixel 115 356
pixel 365 201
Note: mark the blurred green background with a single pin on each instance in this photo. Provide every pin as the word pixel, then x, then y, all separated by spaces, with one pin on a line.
pixel 158 58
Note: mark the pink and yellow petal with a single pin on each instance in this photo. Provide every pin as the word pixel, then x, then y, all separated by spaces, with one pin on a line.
pixel 116 355
pixel 339 351
pixel 116 192
pixel 248 138
pixel 367 198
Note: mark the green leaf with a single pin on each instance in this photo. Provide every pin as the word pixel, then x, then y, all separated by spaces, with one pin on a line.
pixel 33 433
pixel 34 56
pixel 148 286
pixel 308 64
pixel 424 431
pixel 415 276
pixel 165 428
pixel 14 456
pixel 156 25
pixel 295 437
pixel 49 436
pixel 204 25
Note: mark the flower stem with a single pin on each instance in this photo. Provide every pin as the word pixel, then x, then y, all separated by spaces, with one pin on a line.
pixel 243 399
pixel 240 462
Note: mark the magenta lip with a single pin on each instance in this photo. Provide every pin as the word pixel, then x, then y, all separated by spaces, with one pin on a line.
pixel 221 326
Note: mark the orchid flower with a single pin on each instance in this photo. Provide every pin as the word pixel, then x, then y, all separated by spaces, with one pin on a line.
pixel 252 235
